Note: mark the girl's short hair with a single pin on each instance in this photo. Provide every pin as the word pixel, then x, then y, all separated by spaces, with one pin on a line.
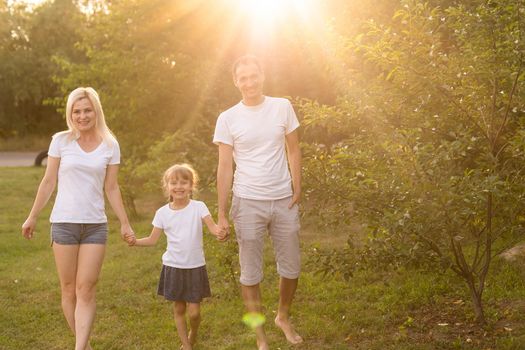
pixel 183 171
pixel 100 124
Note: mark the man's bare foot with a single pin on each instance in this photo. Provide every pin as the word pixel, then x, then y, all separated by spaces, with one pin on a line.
pixel 262 346
pixel 290 333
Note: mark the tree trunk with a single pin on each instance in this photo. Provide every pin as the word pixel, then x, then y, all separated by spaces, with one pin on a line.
pixel 477 303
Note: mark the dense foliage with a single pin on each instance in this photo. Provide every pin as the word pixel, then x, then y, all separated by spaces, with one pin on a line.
pixel 430 129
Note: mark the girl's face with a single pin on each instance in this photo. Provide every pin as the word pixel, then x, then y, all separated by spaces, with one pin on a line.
pixel 179 188
pixel 83 115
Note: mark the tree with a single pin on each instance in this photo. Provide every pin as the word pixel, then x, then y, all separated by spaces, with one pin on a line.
pixel 432 150
pixel 30 40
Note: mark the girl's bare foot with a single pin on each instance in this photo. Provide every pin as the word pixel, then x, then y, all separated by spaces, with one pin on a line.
pixel 291 335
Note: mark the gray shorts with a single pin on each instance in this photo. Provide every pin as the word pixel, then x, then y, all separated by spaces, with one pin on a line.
pixel 71 233
pixel 252 220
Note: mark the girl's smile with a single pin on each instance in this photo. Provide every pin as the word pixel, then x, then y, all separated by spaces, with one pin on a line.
pixel 180 190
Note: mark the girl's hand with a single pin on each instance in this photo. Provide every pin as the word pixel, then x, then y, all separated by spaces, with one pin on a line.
pixel 220 233
pixel 224 225
pixel 126 231
pixel 130 239
pixel 28 228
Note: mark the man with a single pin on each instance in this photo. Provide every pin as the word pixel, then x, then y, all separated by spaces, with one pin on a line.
pixel 260 135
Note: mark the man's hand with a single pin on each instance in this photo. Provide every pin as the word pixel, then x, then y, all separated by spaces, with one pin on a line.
pixel 296 198
pixel 224 226
pixel 220 233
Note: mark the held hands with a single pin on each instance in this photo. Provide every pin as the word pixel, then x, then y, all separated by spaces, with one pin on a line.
pixel 220 233
pixel 128 235
pixel 222 229
pixel 28 228
pixel 130 239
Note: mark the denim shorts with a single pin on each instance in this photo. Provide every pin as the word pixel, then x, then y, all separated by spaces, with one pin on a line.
pixel 253 220
pixel 71 233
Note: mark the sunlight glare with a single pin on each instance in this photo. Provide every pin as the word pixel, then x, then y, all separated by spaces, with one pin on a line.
pixel 267 18
pixel 266 11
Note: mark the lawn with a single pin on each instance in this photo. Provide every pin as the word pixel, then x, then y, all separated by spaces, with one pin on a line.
pixel 404 309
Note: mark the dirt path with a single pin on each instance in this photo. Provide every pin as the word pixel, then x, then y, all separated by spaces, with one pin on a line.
pixel 17 158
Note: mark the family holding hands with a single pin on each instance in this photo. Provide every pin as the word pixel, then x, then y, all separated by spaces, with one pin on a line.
pixel 259 134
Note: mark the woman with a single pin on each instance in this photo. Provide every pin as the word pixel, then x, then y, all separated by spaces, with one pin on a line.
pixel 85 161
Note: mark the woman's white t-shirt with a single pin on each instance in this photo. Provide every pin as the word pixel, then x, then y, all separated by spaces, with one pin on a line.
pixel 81 175
pixel 183 229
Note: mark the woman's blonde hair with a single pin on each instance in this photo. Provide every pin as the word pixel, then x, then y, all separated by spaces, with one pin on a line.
pixel 183 171
pixel 100 121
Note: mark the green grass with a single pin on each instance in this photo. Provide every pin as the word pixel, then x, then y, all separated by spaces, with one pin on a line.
pixel 375 310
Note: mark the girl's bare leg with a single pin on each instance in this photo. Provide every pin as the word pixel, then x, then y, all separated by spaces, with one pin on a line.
pixel 194 314
pixel 179 313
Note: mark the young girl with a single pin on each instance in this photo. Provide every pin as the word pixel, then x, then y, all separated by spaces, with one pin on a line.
pixel 183 278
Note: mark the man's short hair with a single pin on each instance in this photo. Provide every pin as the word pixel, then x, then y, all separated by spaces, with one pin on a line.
pixel 246 59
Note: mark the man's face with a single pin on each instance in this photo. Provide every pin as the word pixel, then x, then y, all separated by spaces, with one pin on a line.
pixel 249 80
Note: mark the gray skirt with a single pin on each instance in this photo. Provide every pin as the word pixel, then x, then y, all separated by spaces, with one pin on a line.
pixel 189 285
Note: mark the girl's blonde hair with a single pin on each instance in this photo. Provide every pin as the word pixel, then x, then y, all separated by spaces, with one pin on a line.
pixel 183 171
pixel 100 121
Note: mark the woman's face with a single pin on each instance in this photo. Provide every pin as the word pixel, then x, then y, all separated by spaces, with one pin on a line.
pixel 83 115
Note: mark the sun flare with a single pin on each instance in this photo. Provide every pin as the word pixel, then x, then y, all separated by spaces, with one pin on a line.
pixel 267 11
pixel 265 20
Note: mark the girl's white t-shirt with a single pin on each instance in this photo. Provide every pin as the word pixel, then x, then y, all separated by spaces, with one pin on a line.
pixel 183 229
pixel 257 135
pixel 81 175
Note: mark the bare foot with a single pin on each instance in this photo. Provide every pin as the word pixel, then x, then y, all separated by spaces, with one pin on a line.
pixel 262 346
pixel 290 333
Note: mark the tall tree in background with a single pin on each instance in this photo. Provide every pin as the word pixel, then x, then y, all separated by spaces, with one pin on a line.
pixel 30 41
pixel 433 119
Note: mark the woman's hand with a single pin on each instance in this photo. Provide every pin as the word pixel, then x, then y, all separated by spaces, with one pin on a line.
pixel 127 234
pixel 28 227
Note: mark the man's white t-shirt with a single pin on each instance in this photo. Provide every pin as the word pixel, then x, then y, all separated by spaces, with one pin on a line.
pixel 81 175
pixel 257 135
pixel 183 229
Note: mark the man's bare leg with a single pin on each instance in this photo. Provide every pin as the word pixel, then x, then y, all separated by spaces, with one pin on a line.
pixel 287 289
pixel 251 295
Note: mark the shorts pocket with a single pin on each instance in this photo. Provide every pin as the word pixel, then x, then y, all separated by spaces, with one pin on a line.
pixel 234 209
